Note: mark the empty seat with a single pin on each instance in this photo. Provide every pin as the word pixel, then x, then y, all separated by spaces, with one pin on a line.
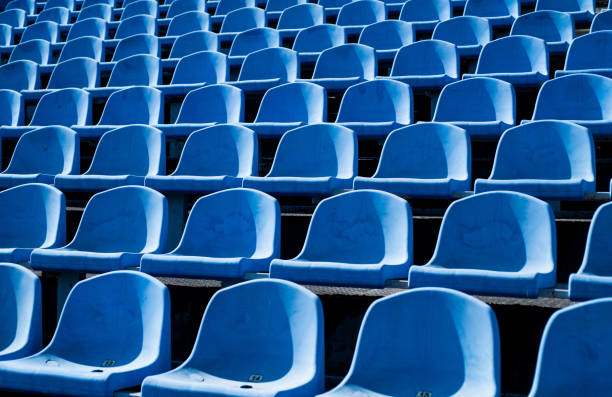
pixel 182 6
pixel 10 108
pixel 584 99
pixel 331 4
pixel 520 60
pixel 301 16
pixel 386 37
pixel 426 64
pixel 117 227
pixel 204 67
pixel 67 107
pixel 136 70
pixel 188 22
pixel 268 68
pixel 100 11
pixel 42 154
pixel 313 160
pixel 253 40
pixel 421 353
pixel 59 15
pixel 95 27
pixel 602 21
pixel 133 105
pixel 104 342
pixel 554 27
pixel 38 51
pixel 137 44
pixel 68 4
pixel 500 13
pixel 426 14
pixel 213 158
pixel 74 73
pixel 591 53
pixel 14 18
pixel 28 6
pixel 310 42
pixel 87 3
pixel 289 106
pixel 21 303
pixel 19 75
pixel 87 47
pixel 483 106
pixel 124 156
pixel 234 336
pixel 46 30
pixel 552 160
pixel 34 216
pixel 495 243
pixel 575 343
pixel 277 6
pixel 468 33
pixel 6 35
pixel 243 19
pixel 139 24
pixel 357 14
pixel 193 42
pixel 431 160
pixel 361 238
pixel 579 10
pixel 224 7
pixel 141 7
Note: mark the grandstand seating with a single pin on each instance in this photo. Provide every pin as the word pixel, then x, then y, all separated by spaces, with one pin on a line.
pixel 13 17
pixel 602 21
pixel 19 75
pixel 94 27
pixel 252 40
pixel 386 37
pixel 66 107
pixel 75 73
pixel 82 47
pixel 267 68
pixel 555 27
pixel 243 19
pixel 193 42
pixel 192 21
pixel 426 14
pixel 58 15
pixel 6 35
pixel 468 33
pixel 33 50
pixel 226 6
pixel 355 15
pixel 138 24
pixel 311 41
pixel 140 69
pixel 101 11
pixel 10 108
pixel 500 13
pixel 47 31
pixel 135 45
pixel 579 10
pixel 183 6
pixel 589 54
pixel 140 7
pixel 300 16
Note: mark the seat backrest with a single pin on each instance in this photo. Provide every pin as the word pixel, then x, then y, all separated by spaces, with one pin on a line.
pixel 181 6
pixel 193 42
pixel 88 47
pixel 566 5
pixel 133 105
pixel 50 150
pixel 551 26
pixel 141 7
pixel 361 13
pixel 88 3
pixel 514 54
pixel 462 31
pixel 223 149
pixel 497 231
pixel 95 27
pixel 41 30
pixel 426 58
pixel 491 8
pixel 243 19
pixel 15 17
pixel 28 6
pixel 426 10
pixel 319 38
pixel 74 73
pixel 254 39
pixel 291 102
pixel 19 75
pixel 208 67
pixel 281 5
pixel 332 3
pixel 477 99
pixel 224 7
pixel 67 107
pixel 347 60
pixel 38 51
pixel 131 150
pixel 6 35
pixel 387 35
pixel 591 51
pixel 426 151
pixel 602 21
pixel 270 63
pixel 137 44
pixel 139 69
pixel 100 11
pixel 218 103
pixel 393 102
pixel 301 16
pixel 59 15
pixel 191 21
pixel 10 108
pixel 68 4
pixel 138 24
pixel 596 260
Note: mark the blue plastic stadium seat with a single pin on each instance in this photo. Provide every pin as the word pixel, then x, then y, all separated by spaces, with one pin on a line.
pixel 46 30
pixel 228 234
pixel 426 14
pixel 224 7
pixel 68 4
pixel 29 6
pixel 10 108
pixel 14 18
pixel 277 6
pixel 426 64
pixel 483 106
pixel 594 278
pixel 124 156
pixel 117 227
pixel 191 21
pixel 21 307
pixel 301 16
pixel 331 4
pixel 431 160
pixel 113 332
pixel 95 27
pixel 552 160
pixel 42 154
pixel 579 10
pixel 140 7
pixel 590 53
pixel 361 238
pixel 87 3
pixel 195 70
pixel 6 35
pixel 342 66
pixel 391 109
pixel 267 68
pixel 34 216
pixel 133 105
pixel 495 243
pixel 311 41
pixel 193 42
pixel 355 15
pixel 313 160
pixel 251 41
pixel 66 107
pixel 59 15
pixel 74 73
pixel 273 345
pixel 386 37
pixel 584 99
pixel 391 343
pixel 38 51
pixel 574 354
pixel 213 158
pixel 602 21
pixel 520 60
pixel 243 19
pixel 88 47
pixel 19 75
pixel 182 6
pixel 468 33
pixel 139 69
pixel 100 11
pixel 289 106
pixel 500 13
pixel 137 44
pixel 554 27
pixel 139 24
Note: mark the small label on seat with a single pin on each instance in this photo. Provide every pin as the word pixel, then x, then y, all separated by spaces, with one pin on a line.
pixel 255 378
pixel 108 363
pixel 423 394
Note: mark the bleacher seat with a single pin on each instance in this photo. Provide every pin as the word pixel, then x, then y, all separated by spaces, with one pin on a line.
pixel 552 160
pixel 46 30
pixel 191 21
pixel 87 47
pixel 500 13
pixel 181 6
pixel 140 7
pixel 6 35
pixel 21 306
pixel 139 24
pixel 278 6
pixel 333 4
pixel 19 75
pixel 520 60
pixel 68 4
pixel 10 108
pixel 87 3
pixel 252 40
pixel 193 42
pixel 554 27
pixel 311 41
pixel 267 68
pixel 584 99
pixel 591 53
pixel 313 160
pixel 195 70
pixel 66 107
pixel 243 19
pixel 15 18
pixel 42 154
pixel 483 106
pixel 361 239
pixel 224 7
pixel 509 248
pixel 100 345
pixel 289 106
pixel 117 227
pixel 468 33
pixel 387 37
pixel 301 16
pixel 213 158
pixel 95 27
pixel 135 45
pixel 355 15
pixel 59 15
pixel 38 51
pixel 421 354
pixel 28 6
pixel 579 10
pixel 280 329
pixel 100 11
pixel 136 70
pixel 602 21
pixel 34 216
pixel 74 73
pixel 424 15
pixel 574 354
pixel 428 160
